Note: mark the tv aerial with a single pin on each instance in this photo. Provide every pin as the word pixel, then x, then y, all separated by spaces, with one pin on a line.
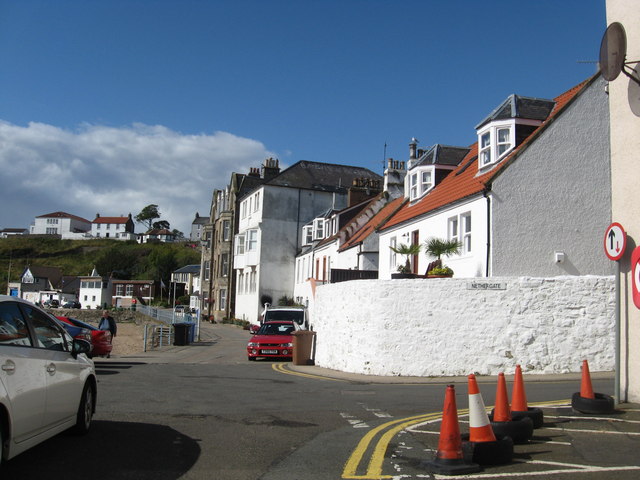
pixel 613 53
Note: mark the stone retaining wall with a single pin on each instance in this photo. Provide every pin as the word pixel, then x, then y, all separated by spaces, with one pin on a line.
pixel 442 327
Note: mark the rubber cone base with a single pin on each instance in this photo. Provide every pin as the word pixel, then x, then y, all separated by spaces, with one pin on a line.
pixel 520 430
pixel 601 404
pixel 535 414
pixel 499 452
pixel 450 466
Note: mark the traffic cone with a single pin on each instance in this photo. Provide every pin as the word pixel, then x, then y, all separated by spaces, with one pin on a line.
pixel 586 389
pixel 520 430
pixel 519 405
pixel 502 412
pixel 479 426
pixel 449 458
pixel 485 447
pixel 586 401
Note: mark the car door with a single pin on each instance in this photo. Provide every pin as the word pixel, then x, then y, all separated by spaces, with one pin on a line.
pixel 22 374
pixel 64 374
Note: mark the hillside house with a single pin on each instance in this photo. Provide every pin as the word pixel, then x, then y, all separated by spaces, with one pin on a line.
pixel 66 225
pixel 119 228
pixel 95 290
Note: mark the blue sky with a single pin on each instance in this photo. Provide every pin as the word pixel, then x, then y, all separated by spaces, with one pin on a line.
pixel 107 106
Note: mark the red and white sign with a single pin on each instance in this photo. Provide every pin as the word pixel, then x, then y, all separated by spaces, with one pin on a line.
pixel 635 276
pixel 615 241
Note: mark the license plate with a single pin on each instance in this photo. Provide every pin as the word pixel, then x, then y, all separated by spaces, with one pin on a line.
pixel 270 352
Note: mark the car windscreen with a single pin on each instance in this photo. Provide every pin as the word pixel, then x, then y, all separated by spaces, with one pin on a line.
pixel 287 315
pixel 275 329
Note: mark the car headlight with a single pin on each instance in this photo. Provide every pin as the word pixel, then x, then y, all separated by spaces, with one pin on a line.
pixel 253 344
pixel 287 345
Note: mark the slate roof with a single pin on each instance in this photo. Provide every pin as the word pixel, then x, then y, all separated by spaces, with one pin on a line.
pixel 442 155
pixel 188 269
pixel 321 176
pixel 516 106
pixel 200 220
pixel 52 274
pixel 464 181
pixel 63 215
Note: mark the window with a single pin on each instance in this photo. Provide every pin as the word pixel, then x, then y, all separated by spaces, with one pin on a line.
pixel 52 230
pixel 256 203
pixel 466 232
pixel 252 240
pixel 427 182
pixel 240 244
pixel 318 229
pixel 226 230
pixel 453 228
pixel 413 192
pixel 207 269
pixel 224 265
pixel 485 149
pixel 252 281
pixel 307 235
pixel 48 335
pixel 129 291
pixel 13 329
pixel 222 299
pixel 119 290
pixel 504 141
pixel 393 257
pixel 243 209
pixel 240 283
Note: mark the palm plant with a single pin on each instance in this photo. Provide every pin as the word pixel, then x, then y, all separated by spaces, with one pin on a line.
pixel 408 251
pixel 437 247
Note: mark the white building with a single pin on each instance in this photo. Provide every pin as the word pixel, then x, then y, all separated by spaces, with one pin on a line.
pixel 95 291
pixel 61 223
pixel 523 201
pixel 624 102
pixel 120 228
pixel 271 218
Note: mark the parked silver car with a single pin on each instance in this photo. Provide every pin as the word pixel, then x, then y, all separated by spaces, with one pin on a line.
pixel 47 383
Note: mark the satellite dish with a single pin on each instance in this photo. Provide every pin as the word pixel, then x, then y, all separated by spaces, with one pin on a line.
pixel 613 51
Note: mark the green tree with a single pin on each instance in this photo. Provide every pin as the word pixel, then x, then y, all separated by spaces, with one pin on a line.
pixel 147 215
pixel 161 225
pixel 437 247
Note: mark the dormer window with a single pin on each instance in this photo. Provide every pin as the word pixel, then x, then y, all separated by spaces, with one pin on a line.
pixel 318 229
pixel 307 235
pixel 420 182
pixel 495 142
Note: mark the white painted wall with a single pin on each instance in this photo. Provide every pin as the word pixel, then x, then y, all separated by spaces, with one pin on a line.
pixel 441 327
pixel 435 225
pixel 624 103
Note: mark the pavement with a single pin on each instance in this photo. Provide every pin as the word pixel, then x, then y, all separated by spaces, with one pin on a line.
pixel 570 445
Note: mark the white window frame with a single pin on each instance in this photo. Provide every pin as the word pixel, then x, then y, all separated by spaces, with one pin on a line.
pixel 251 240
pixel 318 228
pixel 256 203
pixel 128 291
pixel 465 233
pixel 119 290
pixel 307 235
pixel 453 228
pixel 393 257
pixel 224 264
pixel 484 143
pixel 413 186
pixel 240 239
pixel 222 300
pixel 426 185
pixel 503 147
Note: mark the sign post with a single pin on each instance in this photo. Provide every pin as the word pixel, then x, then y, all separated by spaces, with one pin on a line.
pixel 615 243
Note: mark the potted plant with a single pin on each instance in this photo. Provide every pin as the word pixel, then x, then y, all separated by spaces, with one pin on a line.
pixel 437 247
pixel 404 270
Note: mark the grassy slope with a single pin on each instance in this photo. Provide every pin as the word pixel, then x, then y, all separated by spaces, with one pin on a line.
pixel 78 257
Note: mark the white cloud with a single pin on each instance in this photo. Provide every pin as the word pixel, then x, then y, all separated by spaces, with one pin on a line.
pixel 114 171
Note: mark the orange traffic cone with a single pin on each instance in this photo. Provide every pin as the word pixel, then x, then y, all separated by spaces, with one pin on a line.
pixel 518 395
pixel 449 458
pixel 519 405
pixel 487 449
pixel 521 429
pixel 502 412
pixel 586 401
pixel 586 389
pixel 479 426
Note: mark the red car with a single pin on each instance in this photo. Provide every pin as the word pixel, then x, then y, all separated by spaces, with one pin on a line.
pixel 100 339
pixel 273 339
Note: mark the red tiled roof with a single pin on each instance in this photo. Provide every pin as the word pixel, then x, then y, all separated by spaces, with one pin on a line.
pixel 63 215
pixel 111 220
pixel 464 182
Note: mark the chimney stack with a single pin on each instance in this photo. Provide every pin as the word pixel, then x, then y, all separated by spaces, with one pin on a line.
pixel 394 178
pixel 270 168
pixel 413 145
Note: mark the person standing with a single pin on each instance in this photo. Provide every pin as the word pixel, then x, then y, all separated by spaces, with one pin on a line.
pixel 108 323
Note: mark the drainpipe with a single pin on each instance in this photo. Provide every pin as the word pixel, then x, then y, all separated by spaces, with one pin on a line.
pixel 488 259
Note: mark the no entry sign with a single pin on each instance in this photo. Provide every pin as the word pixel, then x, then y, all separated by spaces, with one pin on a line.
pixel 615 241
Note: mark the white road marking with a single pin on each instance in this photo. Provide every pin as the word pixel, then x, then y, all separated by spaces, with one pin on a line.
pixel 603 432
pixel 608 419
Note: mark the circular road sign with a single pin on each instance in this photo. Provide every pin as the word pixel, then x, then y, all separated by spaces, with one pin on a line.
pixel 615 241
pixel 635 280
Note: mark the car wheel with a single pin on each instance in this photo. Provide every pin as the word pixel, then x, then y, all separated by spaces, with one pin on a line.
pixel 85 410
